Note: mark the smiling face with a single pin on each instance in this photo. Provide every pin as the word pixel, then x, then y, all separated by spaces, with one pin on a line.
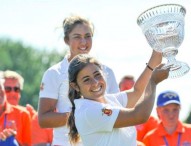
pixel 91 83
pixel 79 40
pixel 169 114
pixel 12 90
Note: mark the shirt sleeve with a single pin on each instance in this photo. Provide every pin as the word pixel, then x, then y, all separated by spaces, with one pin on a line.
pixel 26 128
pixel 122 98
pixel 101 118
pixel 49 85
pixel 40 135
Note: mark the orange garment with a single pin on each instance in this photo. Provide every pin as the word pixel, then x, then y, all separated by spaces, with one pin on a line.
pixel 40 135
pixel 22 121
pixel 142 129
pixel 155 137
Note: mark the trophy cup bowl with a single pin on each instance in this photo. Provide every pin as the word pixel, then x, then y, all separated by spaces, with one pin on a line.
pixel 163 27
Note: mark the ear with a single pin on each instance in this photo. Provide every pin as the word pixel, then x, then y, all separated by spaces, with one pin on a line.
pixel 74 86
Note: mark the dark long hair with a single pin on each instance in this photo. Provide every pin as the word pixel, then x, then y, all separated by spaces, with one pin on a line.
pixel 76 65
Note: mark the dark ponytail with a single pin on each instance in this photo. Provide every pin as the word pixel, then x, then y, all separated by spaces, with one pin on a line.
pixel 73 132
pixel 76 65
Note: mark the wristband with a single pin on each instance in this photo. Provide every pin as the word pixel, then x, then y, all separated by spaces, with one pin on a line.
pixel 149 67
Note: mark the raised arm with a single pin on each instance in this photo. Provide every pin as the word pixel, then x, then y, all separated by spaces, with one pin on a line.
pixel 143 79
pixel 142 110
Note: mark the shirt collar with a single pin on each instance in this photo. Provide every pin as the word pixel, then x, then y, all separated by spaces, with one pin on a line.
pixel 162 132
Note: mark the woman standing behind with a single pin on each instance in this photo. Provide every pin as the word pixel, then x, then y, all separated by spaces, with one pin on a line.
pixel 106 119
pixel 54 104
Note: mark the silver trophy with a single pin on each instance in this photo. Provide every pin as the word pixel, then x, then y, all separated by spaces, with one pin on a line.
pixel 163 27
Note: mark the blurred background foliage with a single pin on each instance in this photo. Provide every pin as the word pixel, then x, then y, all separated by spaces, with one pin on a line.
pixel 30 63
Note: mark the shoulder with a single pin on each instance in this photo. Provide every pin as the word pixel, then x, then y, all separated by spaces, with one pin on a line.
pixel 83 104
pixel 106 68
pixel 115 96
pixel 187 126
pixel 151 134
pixel 84 107
pixel 61 66
pixel 20 110
pixel 152 121
pixel 88 110
pixel 57 69
pixel 158 130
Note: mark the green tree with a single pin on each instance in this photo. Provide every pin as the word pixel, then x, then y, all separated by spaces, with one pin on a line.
pixel 188 119
pixel 30 63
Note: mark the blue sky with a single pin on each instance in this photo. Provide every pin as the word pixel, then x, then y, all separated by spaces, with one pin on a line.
pixel 118 41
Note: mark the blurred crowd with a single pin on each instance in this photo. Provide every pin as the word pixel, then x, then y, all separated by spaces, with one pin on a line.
pixel 19 124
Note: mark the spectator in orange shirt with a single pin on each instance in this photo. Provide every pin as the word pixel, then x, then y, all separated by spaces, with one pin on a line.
pixel 170 131
pixel 142 129
pixel 40 136
pixel 126 83
pixel 15 81
pixel 15 124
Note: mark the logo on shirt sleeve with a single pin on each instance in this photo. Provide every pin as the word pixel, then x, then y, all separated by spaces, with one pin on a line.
pixel 106 111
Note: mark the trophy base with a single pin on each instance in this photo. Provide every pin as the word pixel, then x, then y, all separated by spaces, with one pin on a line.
pixel 177 69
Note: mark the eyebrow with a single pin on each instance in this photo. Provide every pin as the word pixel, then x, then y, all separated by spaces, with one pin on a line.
pixel 93 74
pixel 77 34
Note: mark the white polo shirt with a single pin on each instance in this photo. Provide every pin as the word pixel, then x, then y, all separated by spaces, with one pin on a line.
pixel 56 85
pixel 95 125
